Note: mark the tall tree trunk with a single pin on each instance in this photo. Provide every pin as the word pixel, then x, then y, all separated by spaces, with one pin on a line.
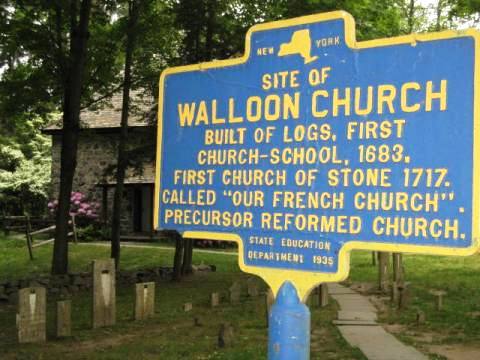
pixel 438 25
pixel 71 121
pixel 122 141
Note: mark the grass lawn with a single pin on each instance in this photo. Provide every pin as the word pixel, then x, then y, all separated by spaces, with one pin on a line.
pixel 459 322
pixel 171 334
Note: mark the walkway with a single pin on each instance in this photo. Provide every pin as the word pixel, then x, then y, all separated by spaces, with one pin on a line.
pixel 357 323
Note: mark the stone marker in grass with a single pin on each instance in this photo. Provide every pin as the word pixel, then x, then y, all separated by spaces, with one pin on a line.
pixel 252 287
pixel 104 307
pixel 235 292
pixel 439 294
pixel 64 318
pixel 420 318
pixel 214 299
pixel 31 317
pixel 144 300
pixel 225 335
pixel 187 307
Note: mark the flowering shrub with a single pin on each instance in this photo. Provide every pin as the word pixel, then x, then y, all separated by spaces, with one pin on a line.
pixel 80 207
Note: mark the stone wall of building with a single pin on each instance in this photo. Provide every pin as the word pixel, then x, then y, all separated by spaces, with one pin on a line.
pixel 96 164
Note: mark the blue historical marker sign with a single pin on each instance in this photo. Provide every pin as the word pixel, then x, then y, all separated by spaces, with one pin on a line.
pixel 313 144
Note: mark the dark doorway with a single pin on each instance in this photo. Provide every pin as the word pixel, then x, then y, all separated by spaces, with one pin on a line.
pixel 142 208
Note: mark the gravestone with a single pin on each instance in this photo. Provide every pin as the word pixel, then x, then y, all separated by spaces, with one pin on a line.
pixel 187 307
pixel 420 318
pixel 64 318
pixel 225 335
pixel 144 300
pixel 439 294
pixel 104 307
pixel 235 292
pixel 31 317
pixel 252 287
pixel 215 299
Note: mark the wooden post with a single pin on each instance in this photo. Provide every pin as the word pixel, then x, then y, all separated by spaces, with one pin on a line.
pixel 144 300
pixel 383 271
pixel 31 317
pixel 404 296
pixel 374 258
pixel 323 295
pixel 64 318
pixel 269 300
pixel 394 296
pixel 397 267
pixel 28 230
pixel 104 307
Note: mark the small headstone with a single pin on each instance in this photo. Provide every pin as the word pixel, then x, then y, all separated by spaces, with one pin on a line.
pixel 187 307
pixel 439 298
pixel 144 300
pixel 64 318
pixel 252 287
pixel 104 307
pixel 323 295
pixel 31 317
pixel 215 299
pixel 420 317
pixel 225 335
pixel 235 292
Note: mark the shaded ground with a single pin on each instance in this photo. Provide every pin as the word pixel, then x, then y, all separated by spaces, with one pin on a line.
pixel 171 334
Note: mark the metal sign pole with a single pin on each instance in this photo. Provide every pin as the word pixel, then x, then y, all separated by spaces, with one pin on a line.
pixel 289 326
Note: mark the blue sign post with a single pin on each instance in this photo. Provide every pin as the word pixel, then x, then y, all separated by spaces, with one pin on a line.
pixel 313 144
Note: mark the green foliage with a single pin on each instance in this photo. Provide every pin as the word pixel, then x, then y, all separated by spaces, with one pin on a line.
pixel 456 275
pixel 93 232
pixel 24 170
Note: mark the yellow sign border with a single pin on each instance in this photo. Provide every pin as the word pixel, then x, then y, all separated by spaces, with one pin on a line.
pixel 305 281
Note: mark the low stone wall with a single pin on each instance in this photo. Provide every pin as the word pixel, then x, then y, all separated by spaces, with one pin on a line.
pixel 71 284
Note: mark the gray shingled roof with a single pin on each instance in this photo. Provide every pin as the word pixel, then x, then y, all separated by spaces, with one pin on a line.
pixel 109 116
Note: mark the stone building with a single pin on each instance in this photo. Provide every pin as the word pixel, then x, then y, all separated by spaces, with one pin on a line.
pixel 97 159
